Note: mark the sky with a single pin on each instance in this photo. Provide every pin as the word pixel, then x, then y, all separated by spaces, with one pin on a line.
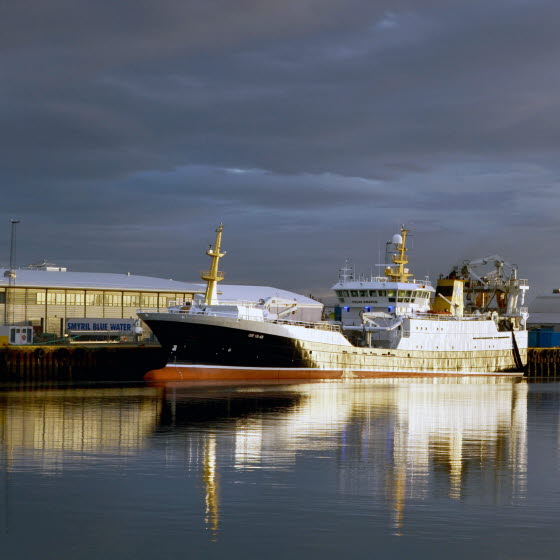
pixel 312 129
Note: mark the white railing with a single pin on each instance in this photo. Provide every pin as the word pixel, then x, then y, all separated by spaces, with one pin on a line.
pixel 384 279
pixel 322 325
pixel 441 317
pixel 182 303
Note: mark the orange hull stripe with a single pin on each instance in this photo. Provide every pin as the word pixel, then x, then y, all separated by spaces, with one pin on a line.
pixel 196 373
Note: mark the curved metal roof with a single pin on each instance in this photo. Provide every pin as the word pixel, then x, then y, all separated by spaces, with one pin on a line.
pixel 109 281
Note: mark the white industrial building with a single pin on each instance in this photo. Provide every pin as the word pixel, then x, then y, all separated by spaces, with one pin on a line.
pixel 46 296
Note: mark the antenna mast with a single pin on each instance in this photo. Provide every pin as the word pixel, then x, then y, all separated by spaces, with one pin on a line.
pixel 213 276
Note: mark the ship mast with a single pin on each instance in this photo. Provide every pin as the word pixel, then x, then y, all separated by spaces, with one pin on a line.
pixel 399 273
pixel 213 276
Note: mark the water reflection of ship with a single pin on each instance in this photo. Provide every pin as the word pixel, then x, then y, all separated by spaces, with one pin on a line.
pixel 468 440
pixel 440 434
pixel 183 406
pixel 186 408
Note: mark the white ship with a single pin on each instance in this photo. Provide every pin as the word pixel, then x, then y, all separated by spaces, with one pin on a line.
pixel 385 325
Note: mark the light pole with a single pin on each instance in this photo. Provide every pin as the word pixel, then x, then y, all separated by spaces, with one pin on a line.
pixel 11 275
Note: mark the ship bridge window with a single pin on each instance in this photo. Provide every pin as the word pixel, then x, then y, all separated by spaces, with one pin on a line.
pixel 363 293
pixel 354 293
pixel 404 296
pixel 373 293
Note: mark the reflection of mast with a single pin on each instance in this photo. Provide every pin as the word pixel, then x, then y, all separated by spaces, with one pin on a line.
pixel 518 448
pixel 456 464
pixel 398 483
pixel 211 485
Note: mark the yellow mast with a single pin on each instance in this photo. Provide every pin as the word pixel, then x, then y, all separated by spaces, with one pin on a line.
pixel 213 276
pixel 399 273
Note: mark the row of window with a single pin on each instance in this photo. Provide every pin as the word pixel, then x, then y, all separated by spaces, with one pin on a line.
pixel 384 293
pixel 107 300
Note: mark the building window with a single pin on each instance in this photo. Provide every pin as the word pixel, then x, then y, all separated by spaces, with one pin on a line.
pixel 74 299
pixel 131 300
pixel 162 301
pixel 149 301
pixel 41 298
pixel 56 298
pixel 94 299
pixel 113 300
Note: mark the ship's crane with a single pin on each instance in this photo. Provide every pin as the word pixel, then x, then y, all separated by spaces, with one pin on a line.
pixel 491 283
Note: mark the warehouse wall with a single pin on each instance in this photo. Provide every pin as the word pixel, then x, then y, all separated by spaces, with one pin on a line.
pixel 47 308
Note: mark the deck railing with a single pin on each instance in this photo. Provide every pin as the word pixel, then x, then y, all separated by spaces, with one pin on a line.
pixel 441 317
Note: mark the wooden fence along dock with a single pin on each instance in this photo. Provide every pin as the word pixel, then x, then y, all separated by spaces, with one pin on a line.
pixel 543 362
pixel 79 362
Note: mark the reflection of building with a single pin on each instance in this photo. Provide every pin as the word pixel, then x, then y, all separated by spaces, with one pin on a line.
pixel 44 427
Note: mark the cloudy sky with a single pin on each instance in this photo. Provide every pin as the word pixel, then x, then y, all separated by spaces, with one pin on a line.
pixel 311 128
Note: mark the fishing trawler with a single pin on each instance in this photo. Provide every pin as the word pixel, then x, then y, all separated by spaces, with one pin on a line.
pixel 469 324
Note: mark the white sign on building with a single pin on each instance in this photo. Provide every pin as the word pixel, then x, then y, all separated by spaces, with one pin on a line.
pixel 100 326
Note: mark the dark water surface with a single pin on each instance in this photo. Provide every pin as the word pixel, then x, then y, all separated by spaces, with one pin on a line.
pixel 427 468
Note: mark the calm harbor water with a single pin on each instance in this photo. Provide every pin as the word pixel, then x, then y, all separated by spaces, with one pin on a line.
pixel 418 468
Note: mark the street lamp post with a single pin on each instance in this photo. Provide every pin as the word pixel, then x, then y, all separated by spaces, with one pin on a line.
pixel 11 275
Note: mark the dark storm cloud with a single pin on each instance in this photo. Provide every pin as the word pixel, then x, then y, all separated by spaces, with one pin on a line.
pixel 129 129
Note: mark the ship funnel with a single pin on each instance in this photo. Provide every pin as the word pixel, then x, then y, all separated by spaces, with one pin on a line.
pixel 449 297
